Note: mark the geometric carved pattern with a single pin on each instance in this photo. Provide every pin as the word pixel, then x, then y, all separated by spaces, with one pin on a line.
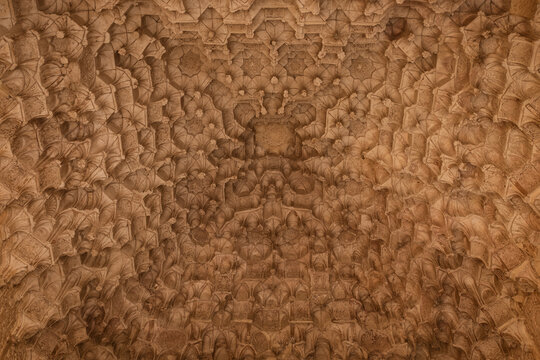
pixel 285 179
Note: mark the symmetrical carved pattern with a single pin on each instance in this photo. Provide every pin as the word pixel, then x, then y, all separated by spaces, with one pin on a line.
pixel 281 179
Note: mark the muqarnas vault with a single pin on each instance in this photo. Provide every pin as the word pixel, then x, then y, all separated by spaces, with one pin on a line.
pixel 278 179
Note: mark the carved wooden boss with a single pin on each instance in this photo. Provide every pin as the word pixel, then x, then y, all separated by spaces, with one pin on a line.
pixel 269 179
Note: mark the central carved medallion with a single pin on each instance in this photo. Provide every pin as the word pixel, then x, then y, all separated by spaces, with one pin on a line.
pixel 274 137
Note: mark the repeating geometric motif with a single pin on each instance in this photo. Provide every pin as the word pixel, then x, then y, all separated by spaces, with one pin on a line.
pixel 285 179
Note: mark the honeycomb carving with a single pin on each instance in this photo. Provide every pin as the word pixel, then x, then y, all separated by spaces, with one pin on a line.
pixel 284 179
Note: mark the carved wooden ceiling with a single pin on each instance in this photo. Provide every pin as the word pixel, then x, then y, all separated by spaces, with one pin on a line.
pixel 277 179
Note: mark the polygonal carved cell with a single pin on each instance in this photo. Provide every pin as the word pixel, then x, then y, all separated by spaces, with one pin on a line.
pixel 286 179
